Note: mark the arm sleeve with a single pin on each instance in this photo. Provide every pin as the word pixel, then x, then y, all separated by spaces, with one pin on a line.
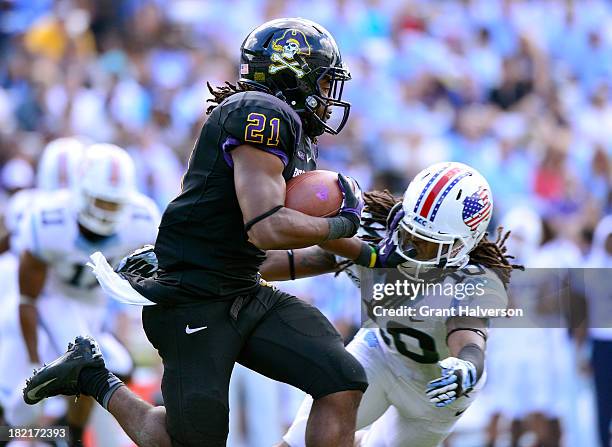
pixel 263 126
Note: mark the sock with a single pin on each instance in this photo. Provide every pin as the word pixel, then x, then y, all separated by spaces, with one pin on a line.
pixel 99 383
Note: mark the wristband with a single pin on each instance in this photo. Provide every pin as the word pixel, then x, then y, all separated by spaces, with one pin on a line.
pixel 291 264
pixel 340 227
pixel 475 355
pixel 367 256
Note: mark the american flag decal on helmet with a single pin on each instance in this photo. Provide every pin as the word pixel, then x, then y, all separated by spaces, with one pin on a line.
pixel 476 208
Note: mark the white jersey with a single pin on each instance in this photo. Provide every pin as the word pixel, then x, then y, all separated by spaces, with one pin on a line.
pixel 50 231
pixel 400 355
pixel 17 207
pixel 417 338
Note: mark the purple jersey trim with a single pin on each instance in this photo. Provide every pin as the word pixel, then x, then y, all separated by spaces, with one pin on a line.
pixel 229 144
pixel 232 143
pixel 280 154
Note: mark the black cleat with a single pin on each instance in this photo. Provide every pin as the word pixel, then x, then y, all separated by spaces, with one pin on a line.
pixel 61 376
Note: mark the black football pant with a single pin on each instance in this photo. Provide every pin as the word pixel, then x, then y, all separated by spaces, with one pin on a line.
pixel 269 331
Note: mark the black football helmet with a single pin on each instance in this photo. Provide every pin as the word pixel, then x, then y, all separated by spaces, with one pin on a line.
pixel 292 58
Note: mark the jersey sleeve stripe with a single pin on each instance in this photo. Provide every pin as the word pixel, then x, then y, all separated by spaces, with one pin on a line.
pixel 231 143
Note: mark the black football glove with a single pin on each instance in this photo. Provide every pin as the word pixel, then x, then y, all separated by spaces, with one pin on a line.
pixel 352 205
pixel 141 262
pixel 346 223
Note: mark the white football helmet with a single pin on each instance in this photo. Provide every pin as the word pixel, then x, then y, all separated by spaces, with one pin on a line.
pixel 59 163
pixel 105 186
pixel 449 205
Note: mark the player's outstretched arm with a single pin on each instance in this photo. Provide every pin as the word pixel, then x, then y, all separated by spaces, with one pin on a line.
pixel 466 342
pixel 32 276
pixel 283 265
pixel 260 188
pixel 311 261
pixel 463 331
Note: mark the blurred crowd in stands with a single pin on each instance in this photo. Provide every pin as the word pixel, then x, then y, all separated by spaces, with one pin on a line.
pixel 519 89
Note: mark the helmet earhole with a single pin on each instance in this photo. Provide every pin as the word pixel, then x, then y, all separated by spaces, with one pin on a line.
pixel 312 102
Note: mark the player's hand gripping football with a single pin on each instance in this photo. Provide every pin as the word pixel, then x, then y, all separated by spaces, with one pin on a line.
pixel 458 378
pixel 141 262
pixel 352 205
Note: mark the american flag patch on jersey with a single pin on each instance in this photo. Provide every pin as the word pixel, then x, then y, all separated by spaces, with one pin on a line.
pixel 476 208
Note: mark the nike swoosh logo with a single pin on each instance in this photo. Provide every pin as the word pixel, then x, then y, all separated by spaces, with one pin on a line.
pixel 190 331
pixel 32 393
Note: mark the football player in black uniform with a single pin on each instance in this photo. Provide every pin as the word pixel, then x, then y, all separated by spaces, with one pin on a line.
pixel 212 307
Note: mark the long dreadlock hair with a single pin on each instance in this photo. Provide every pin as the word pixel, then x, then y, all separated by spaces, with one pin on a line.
pixel 221 93
pixel 487 253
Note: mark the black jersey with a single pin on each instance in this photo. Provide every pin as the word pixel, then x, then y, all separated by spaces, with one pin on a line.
pixel 201 242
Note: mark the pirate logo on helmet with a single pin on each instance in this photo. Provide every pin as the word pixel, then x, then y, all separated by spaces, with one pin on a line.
pixel 291 44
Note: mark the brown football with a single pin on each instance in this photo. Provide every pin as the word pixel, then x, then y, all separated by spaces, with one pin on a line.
pixel 316 193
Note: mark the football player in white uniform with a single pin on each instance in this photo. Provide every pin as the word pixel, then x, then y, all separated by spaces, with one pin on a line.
pixel 423 372
pixel 57 291
pixel 57 168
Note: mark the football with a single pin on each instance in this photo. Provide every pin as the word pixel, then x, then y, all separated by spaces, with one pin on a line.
pixel 316 193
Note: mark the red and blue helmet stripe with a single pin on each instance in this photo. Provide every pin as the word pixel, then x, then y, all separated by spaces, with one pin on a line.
pixel 445 179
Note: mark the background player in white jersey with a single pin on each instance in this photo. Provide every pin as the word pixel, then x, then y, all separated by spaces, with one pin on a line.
pixel 103 213
pixel 57 169
pixel 423 374
pixel 16 175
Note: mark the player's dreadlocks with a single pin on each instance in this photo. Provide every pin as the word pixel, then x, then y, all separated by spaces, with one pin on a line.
pixel 490 254
pixel 220 94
